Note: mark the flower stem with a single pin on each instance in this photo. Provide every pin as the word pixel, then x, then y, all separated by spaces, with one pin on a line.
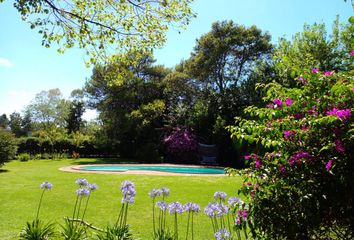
pixel 153 215
pixel 189 215
pixel 83 215
pixel 39 205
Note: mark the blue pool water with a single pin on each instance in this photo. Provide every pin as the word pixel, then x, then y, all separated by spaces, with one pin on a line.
pixel 173 169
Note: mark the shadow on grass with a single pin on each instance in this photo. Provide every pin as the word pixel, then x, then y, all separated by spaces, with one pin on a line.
pixel 3 170
pixel 105 161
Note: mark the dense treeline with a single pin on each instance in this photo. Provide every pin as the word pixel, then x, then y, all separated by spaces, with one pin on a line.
pixel 142 107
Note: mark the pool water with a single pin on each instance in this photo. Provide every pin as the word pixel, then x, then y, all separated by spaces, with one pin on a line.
pixel 173 169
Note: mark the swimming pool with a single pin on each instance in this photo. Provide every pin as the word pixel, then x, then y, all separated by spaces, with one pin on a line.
pixel 169 169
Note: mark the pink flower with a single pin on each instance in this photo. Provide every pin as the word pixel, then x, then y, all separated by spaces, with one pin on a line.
pixel 353 89
pixel 253 193
pixel 314 70
pixel 258 163
pixel 328 73
pixel 238 221
pixel 339 146
pixel 341 114
pixel 329 165
pixel 288 102
pixel 244 214
pixel 352 53
pixel 288 134
pixel 277 102
pixel 248 157
pixel 282 170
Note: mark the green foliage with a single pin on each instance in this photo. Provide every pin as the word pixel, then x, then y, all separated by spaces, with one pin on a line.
pixel 103 28
pixel 8 146
pixel 131 109
pixel 24 157
pixel 224 57
pixel 72 231
pixel 115 232
pixel 304 164
pixel 37 230
pixel 4 121
pixel 314 47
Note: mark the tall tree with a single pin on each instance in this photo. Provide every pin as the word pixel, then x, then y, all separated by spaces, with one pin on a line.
pixel 15 124
pixel 4 121
pixel 77 109
pixel 48 110
pixel 132 110
pixel 104 27
pixel 314 48
pixel 225 56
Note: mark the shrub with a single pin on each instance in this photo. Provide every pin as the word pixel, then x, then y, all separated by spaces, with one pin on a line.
pixel 181 145
pixel 24 157
pixel 8 146
pixel 301 179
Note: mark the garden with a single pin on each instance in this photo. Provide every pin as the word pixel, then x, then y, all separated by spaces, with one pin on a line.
pixel 277 117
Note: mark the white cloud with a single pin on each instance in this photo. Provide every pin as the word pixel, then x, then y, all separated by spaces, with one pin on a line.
pixel 5 62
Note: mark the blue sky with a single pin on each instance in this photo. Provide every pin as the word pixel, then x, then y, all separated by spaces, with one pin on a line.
pixel 27 68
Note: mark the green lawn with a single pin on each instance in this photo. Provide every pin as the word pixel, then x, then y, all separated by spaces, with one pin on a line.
pixel 19 195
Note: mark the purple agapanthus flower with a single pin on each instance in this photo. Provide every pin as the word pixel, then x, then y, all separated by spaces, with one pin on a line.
pixel 175 207
pixel 82 182
pixel 82 192
pixel 128 199
pixel 46 185
pixel 222 234
pixel 220 196
pixel 191 207
pixel 128 188
pixel 216 210
pixel 155 193
pixel 162 205
pixel 92 187
pixel 165 192
pixel 234 201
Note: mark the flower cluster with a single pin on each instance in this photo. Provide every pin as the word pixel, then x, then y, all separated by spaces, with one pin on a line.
pixel 128 190
pixel 341 114
pixel 180 140
pixel 46 185
pixel 222 234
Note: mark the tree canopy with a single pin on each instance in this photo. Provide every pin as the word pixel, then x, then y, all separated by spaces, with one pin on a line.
pixel 104 28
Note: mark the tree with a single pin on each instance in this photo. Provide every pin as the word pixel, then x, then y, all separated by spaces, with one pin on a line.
pixel 314 48
pixel 8 146
pixel 15 124
pixel 4 122
pixel 132 110
pixel 77 109
pixel 103 27
pixel 225 56
pixel 48 110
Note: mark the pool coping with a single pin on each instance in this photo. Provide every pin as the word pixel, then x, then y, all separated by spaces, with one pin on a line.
pixel 76 169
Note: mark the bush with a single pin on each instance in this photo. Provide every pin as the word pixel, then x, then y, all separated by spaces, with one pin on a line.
pixel 8 146
pixel 181 145
pixel 302 186
pixel 24 157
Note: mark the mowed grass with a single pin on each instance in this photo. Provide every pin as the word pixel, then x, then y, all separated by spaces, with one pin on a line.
pixel 20 192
